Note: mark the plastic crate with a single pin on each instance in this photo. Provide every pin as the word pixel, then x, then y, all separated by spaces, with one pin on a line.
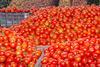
pixel 8 19
pixel 64 3
pixel 72 2
pixel 30 3
pixel 78 2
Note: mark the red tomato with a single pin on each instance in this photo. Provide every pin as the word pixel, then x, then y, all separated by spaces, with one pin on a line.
pixel 2 65
pixel 2 59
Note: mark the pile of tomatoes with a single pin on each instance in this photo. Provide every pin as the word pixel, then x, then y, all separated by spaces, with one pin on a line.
pixel 83 52
pixel 60 24
pixel 16 51
pixel 13 9
pixel 73 34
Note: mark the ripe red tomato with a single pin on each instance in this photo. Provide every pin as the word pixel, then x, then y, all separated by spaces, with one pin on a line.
pixel 22 65
pixel 2 65
pixel 13 64
pixel 2 58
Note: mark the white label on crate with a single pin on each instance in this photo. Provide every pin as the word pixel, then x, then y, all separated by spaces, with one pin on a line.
pixel 3 25
pixel 25 15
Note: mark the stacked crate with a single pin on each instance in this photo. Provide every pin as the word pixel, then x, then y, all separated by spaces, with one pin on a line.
pixel 79 2
pixel 64 2
pixel 8 19
pixel 72 2
pixel 27 4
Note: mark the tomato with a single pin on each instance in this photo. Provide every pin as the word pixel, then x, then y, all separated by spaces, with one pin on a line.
pixel 13 64
pixel 12 9
pixel 8 65
pixel 64 55
pixel 2 58
pixel 38 53
pixel 17 59
pixel 27 60
pixel 45 60
pixel 62 64
pixel 7 53
pixel 31 64
pixel 52 65
pixel 2 52
pixel 2 65
pixel 10 59
pixel 13 45
pixel 22 65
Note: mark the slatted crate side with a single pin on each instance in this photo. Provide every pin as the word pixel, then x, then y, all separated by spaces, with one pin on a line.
pixel 2 15
pixel 8 19
pixel 2 19
pixel 79 2
pixel 72 2
pixel 30 3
